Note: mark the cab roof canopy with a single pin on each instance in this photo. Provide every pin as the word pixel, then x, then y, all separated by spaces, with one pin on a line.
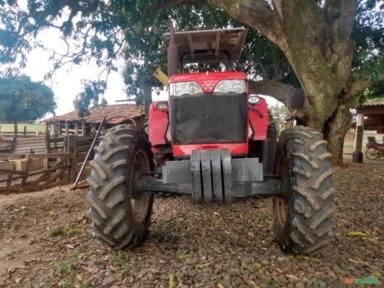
pixel 208 45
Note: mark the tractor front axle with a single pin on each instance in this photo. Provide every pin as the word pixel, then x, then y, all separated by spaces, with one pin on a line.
pixel 213 175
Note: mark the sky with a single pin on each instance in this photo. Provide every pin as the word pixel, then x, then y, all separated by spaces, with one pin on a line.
pixel 67 81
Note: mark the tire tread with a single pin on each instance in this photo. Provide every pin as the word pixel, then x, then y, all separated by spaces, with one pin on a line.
pixel 109 195
pixel 310 199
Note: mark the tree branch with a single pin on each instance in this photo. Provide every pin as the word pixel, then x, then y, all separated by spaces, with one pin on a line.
pixel 256 14
pixel 341 15
pixel 356 88
pixel 359 86
pixel 292 97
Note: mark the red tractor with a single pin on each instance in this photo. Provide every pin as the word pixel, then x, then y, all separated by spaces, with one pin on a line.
pixel 215 141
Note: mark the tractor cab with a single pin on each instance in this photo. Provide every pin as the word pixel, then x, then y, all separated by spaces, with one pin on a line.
pixel 201 51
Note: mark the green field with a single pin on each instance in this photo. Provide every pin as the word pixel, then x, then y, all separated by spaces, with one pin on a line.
pixel 31 127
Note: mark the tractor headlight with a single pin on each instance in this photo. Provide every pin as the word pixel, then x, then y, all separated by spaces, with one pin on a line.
pixel 180 88
pixel 252 99
pixel 231 86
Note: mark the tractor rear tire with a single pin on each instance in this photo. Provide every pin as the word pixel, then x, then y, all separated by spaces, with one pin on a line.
pixel 302 217
pixel 121 213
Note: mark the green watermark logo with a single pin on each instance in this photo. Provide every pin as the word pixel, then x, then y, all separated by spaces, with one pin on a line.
pixel 367 281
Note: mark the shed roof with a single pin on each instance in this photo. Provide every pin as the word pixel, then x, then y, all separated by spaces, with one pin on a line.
pixel 96 114
pixel 373 102
pixel 372 107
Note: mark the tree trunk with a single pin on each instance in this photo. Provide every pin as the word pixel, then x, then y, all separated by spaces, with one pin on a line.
pixel 335 130
pixel 316 39
pixel 292 97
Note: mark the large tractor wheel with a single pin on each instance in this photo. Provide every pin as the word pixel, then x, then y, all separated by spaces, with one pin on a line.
pixel 119 211
pixel 302 218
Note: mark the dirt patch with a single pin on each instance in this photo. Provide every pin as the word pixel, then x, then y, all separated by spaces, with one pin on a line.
pixel 46 241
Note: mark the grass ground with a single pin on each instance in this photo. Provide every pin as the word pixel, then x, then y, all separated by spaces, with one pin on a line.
pixel 46 241
pixel 31 127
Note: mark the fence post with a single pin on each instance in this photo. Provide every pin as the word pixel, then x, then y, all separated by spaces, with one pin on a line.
pixel 10 174
pixel 83 131
pixel 15 128
pixel 357 155
pixel 72 169
pixel 47 146
pixel 66 128
pixel 76 128
pixel 26 171
pixel 25 131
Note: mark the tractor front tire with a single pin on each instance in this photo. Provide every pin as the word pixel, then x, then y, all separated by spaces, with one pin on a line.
pixel 302 217
pixel 121 213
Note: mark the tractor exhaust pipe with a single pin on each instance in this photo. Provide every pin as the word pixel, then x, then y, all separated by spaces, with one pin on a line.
pixel 172 50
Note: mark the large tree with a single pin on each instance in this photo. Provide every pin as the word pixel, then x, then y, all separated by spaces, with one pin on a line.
pixel 316 39
pixel 24 100
pixel 334 47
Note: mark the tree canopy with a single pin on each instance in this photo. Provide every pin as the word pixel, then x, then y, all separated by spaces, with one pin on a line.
pixel 92 95
pixel 24 100
pixel 125 28
pixel 107 30
pixel 325 53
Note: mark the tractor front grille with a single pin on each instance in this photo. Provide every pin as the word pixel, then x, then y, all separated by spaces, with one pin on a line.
pixel 208 118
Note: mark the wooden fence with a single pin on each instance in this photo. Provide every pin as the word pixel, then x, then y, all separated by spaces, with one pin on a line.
pixel 30 168
pixel 31 172
pixel 7 145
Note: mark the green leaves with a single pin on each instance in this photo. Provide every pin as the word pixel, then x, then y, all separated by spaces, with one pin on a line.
pixel 24 100
pixel 90 96
pixel 109 30
pixel 368 61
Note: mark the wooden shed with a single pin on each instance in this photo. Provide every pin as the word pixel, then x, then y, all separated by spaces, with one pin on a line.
pixel 373 112
pixel 71 124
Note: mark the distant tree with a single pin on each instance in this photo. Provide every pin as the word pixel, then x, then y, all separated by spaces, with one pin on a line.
pixel 24 100
pixel 90 97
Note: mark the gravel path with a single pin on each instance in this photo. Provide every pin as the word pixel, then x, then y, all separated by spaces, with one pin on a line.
pixel 46 242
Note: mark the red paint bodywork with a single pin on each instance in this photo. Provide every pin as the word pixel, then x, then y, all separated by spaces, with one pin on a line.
pixel 158 123
pixel 258 117
pixel 234 148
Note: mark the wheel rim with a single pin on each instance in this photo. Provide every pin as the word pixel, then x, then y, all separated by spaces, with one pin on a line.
pixel 281 211
pixel 371 153
pixel 281 208
pixel 140 201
